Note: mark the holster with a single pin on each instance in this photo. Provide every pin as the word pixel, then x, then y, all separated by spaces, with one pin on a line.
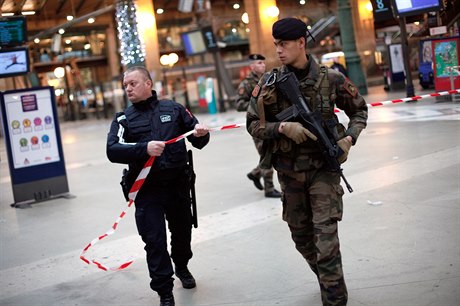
pixel 125 185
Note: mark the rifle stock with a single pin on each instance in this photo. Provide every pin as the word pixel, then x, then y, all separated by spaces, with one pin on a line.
pixel 299 111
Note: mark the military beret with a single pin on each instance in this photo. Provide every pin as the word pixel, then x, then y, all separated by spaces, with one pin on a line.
pixel 289 29
pixel 256 57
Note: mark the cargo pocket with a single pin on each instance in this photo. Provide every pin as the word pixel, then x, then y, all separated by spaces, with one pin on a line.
pixel 336 210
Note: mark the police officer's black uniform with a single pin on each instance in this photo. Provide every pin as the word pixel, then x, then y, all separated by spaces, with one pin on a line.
pixel 166 189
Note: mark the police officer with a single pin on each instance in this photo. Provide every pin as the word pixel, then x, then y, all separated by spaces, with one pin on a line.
pixel 136 135
pixel 257 66
pixel 312 194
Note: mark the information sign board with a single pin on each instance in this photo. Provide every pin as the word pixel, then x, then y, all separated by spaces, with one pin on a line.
pixel 33 142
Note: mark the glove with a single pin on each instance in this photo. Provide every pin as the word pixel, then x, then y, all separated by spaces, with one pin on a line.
pixel 297 132
pixel 345 145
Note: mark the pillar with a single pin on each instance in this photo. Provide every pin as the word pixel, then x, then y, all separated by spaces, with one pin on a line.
pixel 147 28
pixel 112 52
pixel 260 26
pixel 347 33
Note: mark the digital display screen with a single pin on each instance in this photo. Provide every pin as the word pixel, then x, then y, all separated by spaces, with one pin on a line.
pixel 414 7
pixel 14 62
pixel 31 128
pixel 193 42
pixel 13 31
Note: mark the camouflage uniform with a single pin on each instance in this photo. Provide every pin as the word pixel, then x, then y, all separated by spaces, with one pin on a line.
pixel 244 95
pixel 312 195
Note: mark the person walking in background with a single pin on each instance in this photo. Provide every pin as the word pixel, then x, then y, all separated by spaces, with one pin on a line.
pixel 257 66
pixel 339 67
pixel 312 194
pixel 137 134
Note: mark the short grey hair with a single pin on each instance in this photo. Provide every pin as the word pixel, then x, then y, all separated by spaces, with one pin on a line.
pixel 141 69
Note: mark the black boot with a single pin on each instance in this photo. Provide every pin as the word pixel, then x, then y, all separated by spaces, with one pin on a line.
pixel 255 180
pixel 185 277
pixel 167 300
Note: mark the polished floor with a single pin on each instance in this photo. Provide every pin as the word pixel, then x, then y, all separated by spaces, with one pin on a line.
pixel 400 237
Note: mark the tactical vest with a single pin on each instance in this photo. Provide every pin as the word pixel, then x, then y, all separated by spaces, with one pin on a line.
pixel 161 124
pixel 320 97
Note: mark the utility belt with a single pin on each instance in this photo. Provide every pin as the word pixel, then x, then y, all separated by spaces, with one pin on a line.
pixel 154 178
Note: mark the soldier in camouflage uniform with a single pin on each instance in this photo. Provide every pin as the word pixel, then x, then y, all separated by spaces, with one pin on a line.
pixel 312 194
pixel 257 65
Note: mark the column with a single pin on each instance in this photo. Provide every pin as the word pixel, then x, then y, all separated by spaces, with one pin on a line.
pixel 260 25
pixel 147 28
pixel 347 33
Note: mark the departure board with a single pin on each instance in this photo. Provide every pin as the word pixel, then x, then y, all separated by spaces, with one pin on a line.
pixel 12 31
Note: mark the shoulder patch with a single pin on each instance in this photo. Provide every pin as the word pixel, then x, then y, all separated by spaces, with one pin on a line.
pixel 255 92
pixel 165 118
pixel 350 88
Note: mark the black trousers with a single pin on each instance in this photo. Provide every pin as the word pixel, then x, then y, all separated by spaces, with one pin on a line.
pixel 154 202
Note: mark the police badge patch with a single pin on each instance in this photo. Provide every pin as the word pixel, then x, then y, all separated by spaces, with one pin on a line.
pixel 165 118
pixel 350 88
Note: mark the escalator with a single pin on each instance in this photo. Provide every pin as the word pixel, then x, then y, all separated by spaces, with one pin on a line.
pixel 326 26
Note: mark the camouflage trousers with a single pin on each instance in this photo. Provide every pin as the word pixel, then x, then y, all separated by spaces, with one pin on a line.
pixel 266 174
pixel 312 207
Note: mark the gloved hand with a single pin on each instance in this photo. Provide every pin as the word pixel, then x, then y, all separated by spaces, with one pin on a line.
pixel 296 132
pixel 345 144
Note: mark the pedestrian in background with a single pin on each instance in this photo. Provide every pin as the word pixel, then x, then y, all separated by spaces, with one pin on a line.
pixel 339 67
pixel 312 194
pixel 257 66
pixel 137 134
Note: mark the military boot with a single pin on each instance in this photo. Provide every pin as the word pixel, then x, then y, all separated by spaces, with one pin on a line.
pixel 167 300
pixel 188 282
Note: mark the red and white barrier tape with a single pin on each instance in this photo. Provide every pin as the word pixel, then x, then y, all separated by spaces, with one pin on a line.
pixel 146 169
pixel 414 98
pixel 132 196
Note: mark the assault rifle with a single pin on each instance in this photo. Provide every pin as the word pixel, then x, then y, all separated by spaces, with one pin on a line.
pixel 192 177
pixel 299 111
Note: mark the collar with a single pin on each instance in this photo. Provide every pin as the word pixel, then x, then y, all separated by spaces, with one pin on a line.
pixel 311 71
pixel 150 101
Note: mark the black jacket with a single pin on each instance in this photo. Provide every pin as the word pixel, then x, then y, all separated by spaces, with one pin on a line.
pixel 148 120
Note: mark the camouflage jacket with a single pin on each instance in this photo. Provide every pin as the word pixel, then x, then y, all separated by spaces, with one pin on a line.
pixel 244 91
pixel 333 91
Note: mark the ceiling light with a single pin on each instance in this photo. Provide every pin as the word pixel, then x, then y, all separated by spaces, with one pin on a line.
pixel 28 13
pixel 91 20
pixel 272 11
pixel 236 6
pixel 59 72
pixel 160 11
pixel 69 17
pixel 36 40
pixel 87 46
pixel 61 31
pixel 68 41
pixel 7 14
pixel 302 2
pixel 245 18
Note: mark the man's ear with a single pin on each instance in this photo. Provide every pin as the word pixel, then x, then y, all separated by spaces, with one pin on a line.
pixel 302 42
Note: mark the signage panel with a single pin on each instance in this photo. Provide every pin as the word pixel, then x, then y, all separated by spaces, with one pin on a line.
pixel 33 143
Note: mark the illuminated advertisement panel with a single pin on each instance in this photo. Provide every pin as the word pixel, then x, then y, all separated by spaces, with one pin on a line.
pixel 446 56
pixel 33 143
pixel 31 131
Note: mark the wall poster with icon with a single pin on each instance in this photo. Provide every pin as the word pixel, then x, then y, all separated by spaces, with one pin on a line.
pixel 446 54
pixel 33 142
